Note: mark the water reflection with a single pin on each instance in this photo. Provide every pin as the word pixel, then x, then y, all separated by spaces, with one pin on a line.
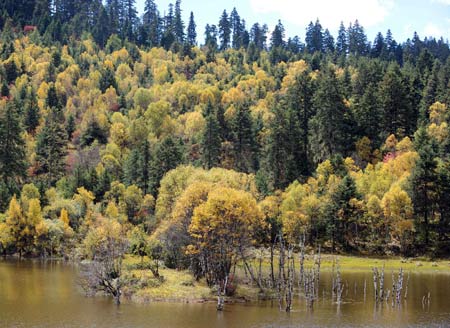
pixel 45 294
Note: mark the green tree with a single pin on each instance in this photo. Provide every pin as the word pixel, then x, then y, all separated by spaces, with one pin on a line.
pixel 245 146
pixel 424 181
pixel 167 156
pixel 51 147
pixel 331 122
pixel 12 145
pixel 191 31
pixel 224 31
pixel 210 142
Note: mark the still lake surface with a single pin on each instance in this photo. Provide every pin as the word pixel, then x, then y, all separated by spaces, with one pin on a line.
pixel 45 294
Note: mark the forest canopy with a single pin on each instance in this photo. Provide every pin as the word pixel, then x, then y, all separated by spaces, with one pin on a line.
pixel 124 128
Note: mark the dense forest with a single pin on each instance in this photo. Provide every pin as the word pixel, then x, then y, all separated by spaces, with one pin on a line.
pixel 124 131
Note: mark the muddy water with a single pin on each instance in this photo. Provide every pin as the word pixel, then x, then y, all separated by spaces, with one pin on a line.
pixel 45 294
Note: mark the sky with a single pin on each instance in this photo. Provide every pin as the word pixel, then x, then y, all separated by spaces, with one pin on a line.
pixel 403 17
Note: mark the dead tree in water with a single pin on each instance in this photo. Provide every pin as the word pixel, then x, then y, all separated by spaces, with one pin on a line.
pixel 221 291
pixel 290 279
pixel 381 293
pixel 302 260
pixel 281 283
pixel 397 286
pixel 407 283
pixel 339 285
pixel 375 283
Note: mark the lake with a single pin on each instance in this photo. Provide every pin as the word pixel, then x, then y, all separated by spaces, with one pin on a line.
pixel 45 294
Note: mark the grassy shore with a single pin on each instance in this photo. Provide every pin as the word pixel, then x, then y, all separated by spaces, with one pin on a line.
pixel 180 286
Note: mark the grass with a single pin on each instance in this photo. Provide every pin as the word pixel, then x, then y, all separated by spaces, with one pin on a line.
pixel 180 286
pixel 175 285
pixel 353 263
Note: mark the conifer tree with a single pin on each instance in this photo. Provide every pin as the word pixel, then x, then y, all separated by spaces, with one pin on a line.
pixel 51 147
pixel 191 31
pixel 12 145
pixel 210 143
pixel 224 31
pixel 330 129
pixel 244 140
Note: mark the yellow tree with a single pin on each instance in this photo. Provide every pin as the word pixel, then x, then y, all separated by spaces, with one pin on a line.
pixel 223 228
pixel 398 211
pixel 15 223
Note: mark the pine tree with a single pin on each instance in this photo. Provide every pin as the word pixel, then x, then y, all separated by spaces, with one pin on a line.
pixel 357 40
pixel 52 98
pixel 238 30
pixel 211 142
pixel 424 181
pixel 151 25
pixel 328 42
pixel 278 34
pixel 167 156
pixel 368 114
pixel 4 92
pixel 278 145
pixel 329 124
pixel 397 112
pixel 107 80
pixel 131 19
pixel 300 109
pixel 314 37
pixel 341 42
pixel 224 31
pixel 191 31
pixel 244 140
pixel 178 23
pixel 32 114
pixel 51 147
pixel 12 145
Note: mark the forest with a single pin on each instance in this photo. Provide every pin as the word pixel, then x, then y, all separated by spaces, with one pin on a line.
pixel 126 134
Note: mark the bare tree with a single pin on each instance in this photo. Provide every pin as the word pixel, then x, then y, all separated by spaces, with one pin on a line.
pixel 102 270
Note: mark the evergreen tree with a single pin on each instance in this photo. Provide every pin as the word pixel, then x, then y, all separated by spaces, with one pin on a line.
pixel 167 156
pixel 101 29
pixel 32 114
pixel 191 31
pixel 341 41
pixel 278 145
pixel 314 37
pixel 397 113
pixel 210 143
pixel 178 23
pixel 244 140
pixel 330 124
pixel 357 40
pixel 70 127
pixel 52 98
pixel 4 92
pixel 379 47
pixel 368 114
pixel 300 111
pixel 343 213
pixel 424 181
pixel 224 31
pixel 151 24
pixel 238 30
pixel 328 42
pixel 278 34
pixel 430 91
pixel 12 145
pixel 51 147
pixel 108 79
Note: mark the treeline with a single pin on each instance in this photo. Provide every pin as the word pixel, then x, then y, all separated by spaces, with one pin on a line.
pixel 341 144
pixel 61 20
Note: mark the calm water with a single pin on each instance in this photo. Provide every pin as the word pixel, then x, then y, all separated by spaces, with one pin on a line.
pixel 45 294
